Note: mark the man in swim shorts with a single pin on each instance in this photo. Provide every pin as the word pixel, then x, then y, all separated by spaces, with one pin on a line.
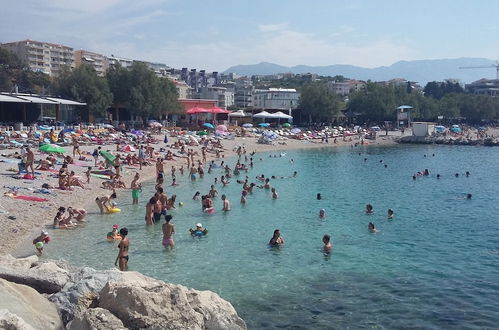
pixel 168 230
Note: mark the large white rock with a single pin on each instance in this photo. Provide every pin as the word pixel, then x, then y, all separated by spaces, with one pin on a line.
pixel 96 319
pixel 29 306
pixel 23 263
pixel 45 278
pixel 143 302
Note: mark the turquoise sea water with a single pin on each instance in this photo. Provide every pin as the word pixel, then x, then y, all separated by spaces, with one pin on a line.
pixel 436 265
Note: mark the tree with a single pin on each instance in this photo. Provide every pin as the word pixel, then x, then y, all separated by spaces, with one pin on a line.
pixel 15 72
pixel 318 103
pixel 142 92
pixel 84 85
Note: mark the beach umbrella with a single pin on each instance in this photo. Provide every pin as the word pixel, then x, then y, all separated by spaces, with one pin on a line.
pixel 218 110
pixel 247 125
pixel 281 115
pixel 208 125
pixel 52 148
pixel 295 130
pixel 202 133
pixel 108 156
pixel 264 124
pixel 129 148
pixel 403 107
pixel 222 128
pixel 286 125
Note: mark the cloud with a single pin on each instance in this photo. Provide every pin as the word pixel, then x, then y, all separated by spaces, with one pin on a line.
pixel 272 27
pixel 285 47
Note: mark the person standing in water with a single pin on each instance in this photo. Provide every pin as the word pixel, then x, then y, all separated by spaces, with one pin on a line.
pixel 326 239
pixel 168 230
pixel 276 239
pixel 274 193
pixel 122 257
pixel 225 203
pixel 136 188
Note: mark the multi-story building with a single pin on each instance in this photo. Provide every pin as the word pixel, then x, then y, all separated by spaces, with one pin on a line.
pixel 42 56
pixel 99 62
pixel 183 90
pixel 276 98
pixel 345 87
pixel 124 62
pixel 224 97
pixel 484 87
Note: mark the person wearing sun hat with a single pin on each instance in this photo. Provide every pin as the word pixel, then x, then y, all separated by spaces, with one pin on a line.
pixel 41 240
pixel 198 231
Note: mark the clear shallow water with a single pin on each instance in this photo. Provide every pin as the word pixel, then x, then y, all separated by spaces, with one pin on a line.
pixel 434 266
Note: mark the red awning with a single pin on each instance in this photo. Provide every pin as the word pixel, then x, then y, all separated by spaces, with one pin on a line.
pixel 195 110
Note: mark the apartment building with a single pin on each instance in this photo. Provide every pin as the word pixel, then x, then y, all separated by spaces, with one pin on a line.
pixel 99 62
pixel 42 56
pixel 124 62
pixel 276 98
pixel 224 97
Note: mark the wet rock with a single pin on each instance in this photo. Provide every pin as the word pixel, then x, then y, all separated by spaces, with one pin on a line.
pixel 28 306
pixel 143 302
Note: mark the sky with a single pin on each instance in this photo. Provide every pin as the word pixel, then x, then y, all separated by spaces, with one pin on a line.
pixel 217 34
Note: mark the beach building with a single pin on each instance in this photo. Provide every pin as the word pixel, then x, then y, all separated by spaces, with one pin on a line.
pixel 420 128
pixel 276 98
pixel 99 62
pixel 23 109
pixel 42 56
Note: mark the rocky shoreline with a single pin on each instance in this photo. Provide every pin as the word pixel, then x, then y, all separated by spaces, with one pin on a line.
pixel 55 295
pixel 462 141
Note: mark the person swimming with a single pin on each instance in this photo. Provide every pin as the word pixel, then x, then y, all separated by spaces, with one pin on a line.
pixel 198 231
pixel 369 209
pixel 319 197
pixel 322 213
pixel 390 214
pixel 372 227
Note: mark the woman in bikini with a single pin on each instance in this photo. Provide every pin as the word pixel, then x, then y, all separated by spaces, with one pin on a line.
pixel 122 257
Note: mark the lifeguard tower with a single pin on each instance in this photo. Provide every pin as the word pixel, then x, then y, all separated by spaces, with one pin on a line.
pixel 404 116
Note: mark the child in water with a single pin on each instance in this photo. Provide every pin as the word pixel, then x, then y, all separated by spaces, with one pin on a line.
pixel 40 241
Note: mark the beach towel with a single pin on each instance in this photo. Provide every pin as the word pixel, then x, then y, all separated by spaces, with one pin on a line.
pixel 27 198
pixel 100 176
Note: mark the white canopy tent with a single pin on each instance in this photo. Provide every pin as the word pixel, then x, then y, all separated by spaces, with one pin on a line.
pixel 263 114
pixel 281 115
pixel 239 113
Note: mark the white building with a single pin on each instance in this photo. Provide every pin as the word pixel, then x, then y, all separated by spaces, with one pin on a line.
pixel 276 98
pixel 345 87
pixel 224 97
pixel 124 62
pixel 42 56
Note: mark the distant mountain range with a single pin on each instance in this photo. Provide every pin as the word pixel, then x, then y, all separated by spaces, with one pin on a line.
pixel 421 71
